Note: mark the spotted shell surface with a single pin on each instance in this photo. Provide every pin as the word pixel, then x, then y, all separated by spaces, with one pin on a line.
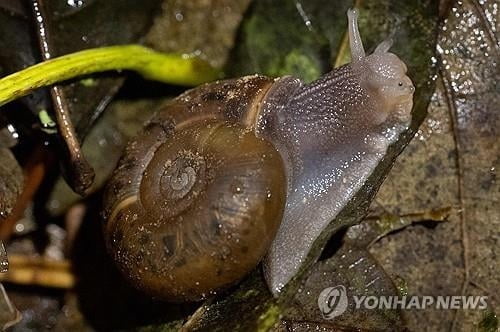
pixel 197 198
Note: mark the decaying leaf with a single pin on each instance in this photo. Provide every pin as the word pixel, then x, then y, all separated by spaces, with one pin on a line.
pixel 453 161
pixel 9 315
pixel 11 182
pixel 178 28
pixel 358 274
pixel 353 272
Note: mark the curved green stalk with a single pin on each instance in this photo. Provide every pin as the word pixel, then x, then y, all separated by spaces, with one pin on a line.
pixel 167 68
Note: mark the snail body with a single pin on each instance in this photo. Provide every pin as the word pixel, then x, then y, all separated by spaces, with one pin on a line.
pixel 237 169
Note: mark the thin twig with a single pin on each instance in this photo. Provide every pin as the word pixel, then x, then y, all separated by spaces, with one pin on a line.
pixel 491 296
pixel 38 271
pixel 460 190
pixel 81 174
pixel 382 206
pixel 378 227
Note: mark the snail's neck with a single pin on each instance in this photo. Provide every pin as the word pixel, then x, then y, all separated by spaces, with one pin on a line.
pixel 331 111
pixel 331 117
pixel 333 100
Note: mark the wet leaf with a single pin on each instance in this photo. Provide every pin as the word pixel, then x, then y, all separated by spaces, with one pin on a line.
pixel 11 182
pixel 278 38
pixel 178 28
pixel 360 275
pixel 8 313
pixel 19 46
pixel 353 271
pixel 453 161
pixel 489 323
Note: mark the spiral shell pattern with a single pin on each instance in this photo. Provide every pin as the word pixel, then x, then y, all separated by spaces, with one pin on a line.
pixel 193 205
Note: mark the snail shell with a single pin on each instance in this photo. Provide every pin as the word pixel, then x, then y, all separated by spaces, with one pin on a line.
pixel 199 195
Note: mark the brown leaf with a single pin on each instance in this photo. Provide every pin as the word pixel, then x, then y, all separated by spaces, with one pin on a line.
pixel 453 161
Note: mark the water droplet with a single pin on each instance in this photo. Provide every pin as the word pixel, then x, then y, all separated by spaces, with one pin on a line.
pixel 179 17
pixel 237 187
pixel 75 3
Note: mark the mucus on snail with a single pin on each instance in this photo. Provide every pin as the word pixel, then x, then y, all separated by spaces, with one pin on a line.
pixel 240 170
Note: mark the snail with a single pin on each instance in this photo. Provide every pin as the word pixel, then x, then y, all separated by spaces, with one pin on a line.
pixel 252 168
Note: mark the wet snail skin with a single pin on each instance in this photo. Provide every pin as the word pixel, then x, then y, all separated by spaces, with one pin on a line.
pixel 240 170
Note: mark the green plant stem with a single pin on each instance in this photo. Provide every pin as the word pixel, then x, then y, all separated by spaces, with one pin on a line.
pixel 167 68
